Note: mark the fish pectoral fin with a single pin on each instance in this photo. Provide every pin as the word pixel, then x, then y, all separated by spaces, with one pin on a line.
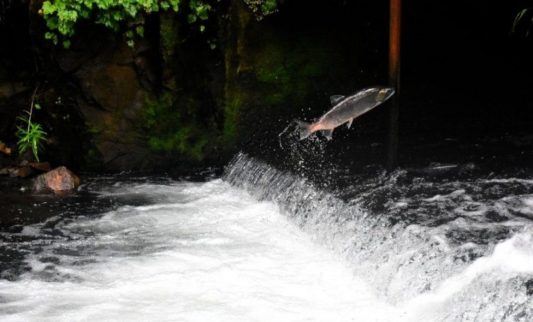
pixel 349 123
pixel 304 128
pixel 335 99
pixel 328 134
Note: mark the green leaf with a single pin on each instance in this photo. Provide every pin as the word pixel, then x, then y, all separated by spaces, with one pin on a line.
pixel 63 16
pixel 49 35
pixel 48 8
pixel 31 135
pixel 140 31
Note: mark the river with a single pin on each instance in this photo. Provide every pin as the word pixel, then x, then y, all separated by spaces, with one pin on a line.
pixel 260 244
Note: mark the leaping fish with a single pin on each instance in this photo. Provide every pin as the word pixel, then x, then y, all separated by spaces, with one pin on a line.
pixel 345 110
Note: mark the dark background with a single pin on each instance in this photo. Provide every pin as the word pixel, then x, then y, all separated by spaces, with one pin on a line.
pixel 463 70
pixel 467 79
pixel 463 66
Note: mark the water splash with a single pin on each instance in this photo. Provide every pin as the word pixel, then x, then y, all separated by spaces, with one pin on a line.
pixel 449 236
pixel 194 252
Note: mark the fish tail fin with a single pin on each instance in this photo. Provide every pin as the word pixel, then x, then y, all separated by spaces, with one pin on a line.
pixel 305 129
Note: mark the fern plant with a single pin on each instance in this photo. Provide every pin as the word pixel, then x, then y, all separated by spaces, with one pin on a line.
pixel 31 135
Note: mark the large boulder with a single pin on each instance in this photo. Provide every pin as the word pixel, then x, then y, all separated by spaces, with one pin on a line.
pixel 60 180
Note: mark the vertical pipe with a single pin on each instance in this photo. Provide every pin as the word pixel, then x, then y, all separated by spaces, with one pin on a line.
pixel 394 81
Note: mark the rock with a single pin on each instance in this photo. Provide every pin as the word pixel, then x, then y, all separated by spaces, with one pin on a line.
pixel 60 180
pixel 11 171
pixel 4 148
pixel 41 166
pixel 9 89
pixel 22 172
pixel 112 106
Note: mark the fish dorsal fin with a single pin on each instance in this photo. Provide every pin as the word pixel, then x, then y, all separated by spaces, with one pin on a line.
pixel 335 99
pixel 328 134
pixel 349 123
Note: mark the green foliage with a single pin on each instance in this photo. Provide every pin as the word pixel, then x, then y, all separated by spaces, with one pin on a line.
pixel 199 12
pixel 125 15
pixel 262 8
pixel 269 7
pixel 31 135
pixel 170 128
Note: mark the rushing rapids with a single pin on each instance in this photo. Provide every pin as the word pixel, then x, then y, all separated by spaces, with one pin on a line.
pixel 261 244
pixel 441 250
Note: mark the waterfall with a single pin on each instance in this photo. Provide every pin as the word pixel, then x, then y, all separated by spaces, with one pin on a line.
pixel 475 262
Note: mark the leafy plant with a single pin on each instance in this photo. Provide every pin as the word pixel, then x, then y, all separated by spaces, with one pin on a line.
pixel 61 16
pixel 262 8
pixel 31 134
pixel 199 11
pixel 125 16
pixel 31 137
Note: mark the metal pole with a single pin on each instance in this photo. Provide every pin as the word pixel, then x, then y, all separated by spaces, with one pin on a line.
pixel 394 81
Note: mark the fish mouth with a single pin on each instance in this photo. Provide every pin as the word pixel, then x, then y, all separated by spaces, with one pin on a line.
pixel 385 93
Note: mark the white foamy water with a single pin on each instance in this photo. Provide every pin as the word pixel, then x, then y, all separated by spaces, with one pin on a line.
pixel 200 252
pixel 266 245
pixel 452 256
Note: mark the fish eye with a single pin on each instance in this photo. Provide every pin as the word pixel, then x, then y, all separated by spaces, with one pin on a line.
pixel 382 93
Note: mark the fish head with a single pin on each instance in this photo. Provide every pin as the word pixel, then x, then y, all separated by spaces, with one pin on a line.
pixel 384 94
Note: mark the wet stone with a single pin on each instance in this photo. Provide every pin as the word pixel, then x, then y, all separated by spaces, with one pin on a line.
pixel 22 172
pixel 60 180
pixel 41 166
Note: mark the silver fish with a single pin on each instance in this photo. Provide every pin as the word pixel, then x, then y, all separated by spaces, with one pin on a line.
pixel 345 110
